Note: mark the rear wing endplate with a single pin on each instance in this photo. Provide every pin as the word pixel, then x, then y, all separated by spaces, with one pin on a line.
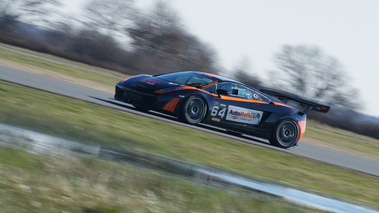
pixel 304 104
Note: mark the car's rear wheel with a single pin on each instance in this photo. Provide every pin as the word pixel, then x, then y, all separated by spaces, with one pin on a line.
pixel 194 110
pixel 285 134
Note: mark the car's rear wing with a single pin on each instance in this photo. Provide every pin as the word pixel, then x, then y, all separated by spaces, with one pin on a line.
pixel 302 104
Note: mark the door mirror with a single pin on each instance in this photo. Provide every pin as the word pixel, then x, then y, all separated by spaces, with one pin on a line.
pixel 222 92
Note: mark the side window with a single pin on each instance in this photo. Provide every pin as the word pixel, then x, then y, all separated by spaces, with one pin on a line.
pixel 236 90
pixel 211 89
pixel 225 86
pixel 241 91
pixel 256 95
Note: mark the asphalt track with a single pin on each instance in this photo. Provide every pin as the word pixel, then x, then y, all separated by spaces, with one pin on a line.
pixel 310 151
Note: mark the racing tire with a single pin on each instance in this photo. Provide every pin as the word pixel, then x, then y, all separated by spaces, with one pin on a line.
pixel 285 134
pixel 194 110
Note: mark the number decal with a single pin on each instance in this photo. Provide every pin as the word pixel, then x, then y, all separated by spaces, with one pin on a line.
pixel 221 113
pixel 215 111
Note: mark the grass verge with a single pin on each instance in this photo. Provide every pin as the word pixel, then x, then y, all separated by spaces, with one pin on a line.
pixel 342 143
pixel 43 183
pixel 91 123
pixel 52 57
pixel 57 70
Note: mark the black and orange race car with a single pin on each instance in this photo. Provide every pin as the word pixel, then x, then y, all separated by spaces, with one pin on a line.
pixel 195 97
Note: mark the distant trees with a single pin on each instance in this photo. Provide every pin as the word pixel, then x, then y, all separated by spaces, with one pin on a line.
pixel 110 17
pixel 161 44
pixel 15 19
pixel 241 73
pixel 308 72
pixel 14 10
pixel 110 33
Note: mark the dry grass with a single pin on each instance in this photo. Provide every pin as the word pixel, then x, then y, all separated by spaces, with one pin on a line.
pixel 61 183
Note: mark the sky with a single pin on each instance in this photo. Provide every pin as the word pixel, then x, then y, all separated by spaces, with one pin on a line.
pixel 254 30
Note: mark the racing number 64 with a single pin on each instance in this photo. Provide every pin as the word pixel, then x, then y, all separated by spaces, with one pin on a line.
pixel 216 111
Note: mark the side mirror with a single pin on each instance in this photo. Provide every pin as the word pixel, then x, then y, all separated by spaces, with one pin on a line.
pixel 222 92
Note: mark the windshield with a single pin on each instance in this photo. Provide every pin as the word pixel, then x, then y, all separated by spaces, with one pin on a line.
pixel 187 78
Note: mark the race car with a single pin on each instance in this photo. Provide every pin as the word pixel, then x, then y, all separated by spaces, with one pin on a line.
pixel 195 97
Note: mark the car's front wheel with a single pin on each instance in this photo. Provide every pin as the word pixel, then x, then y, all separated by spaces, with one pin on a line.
pixel 285 134
pixel 194 110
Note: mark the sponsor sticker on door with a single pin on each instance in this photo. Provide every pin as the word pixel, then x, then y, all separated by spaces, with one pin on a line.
pixel 243 115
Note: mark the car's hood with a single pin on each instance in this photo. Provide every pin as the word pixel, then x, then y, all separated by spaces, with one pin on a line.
pixel 147 83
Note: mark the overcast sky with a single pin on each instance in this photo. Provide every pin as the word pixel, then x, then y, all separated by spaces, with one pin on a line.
pixel 255 29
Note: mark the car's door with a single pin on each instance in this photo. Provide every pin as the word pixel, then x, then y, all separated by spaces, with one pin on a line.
pixel 236 106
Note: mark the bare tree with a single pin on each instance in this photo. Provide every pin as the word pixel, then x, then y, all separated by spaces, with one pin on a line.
pixel 158 31
pixel 243 74
pixel 110 17
pixel 162 45
pixel 308 72
pixel 25 9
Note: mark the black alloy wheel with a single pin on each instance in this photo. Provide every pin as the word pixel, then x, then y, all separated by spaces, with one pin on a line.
pixel 286 134
pixel 194 110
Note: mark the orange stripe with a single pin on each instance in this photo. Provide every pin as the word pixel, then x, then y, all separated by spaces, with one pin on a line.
pixel 209 84
pixel 242 100
pixel 280 104
pixel 302 125
pixel 184 88
pixel 171 105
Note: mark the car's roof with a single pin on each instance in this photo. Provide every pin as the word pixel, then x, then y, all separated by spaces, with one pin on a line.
pixel 214 76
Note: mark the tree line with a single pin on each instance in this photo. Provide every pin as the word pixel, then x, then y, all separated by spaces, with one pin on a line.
pixel 116 35
pixel 157 40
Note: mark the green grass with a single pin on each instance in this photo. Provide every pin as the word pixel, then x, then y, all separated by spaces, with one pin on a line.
pixel 369 150
pixel 42 183
pixel 91 123
pixel 61 68
pixel 342 132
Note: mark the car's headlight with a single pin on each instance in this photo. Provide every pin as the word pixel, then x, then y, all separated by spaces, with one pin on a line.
pixel 161 91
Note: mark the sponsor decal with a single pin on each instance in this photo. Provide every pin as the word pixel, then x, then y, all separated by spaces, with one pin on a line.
pixel 243 115
pixel 216 119
pixel 151 82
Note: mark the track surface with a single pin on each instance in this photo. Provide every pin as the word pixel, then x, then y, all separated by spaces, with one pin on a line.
pixel 314 152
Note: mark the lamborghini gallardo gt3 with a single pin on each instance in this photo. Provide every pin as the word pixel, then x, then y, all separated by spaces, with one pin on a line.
pixel 195 97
